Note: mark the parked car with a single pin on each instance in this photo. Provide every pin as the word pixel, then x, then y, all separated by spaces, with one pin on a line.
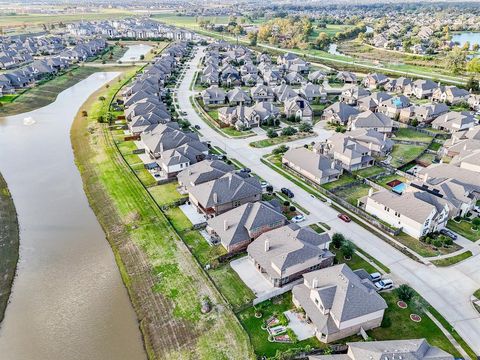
pixel 246 170
pixel 298 218
pixel 264 184
pixel 197 127
pixel 449 233
pixel 477 209
pixel 384 284
pixel 344 217
pixel 287 192
pixel 376 276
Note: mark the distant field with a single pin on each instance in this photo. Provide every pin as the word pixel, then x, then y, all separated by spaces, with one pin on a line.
pixel 189 21
pixel 330 30
pixel 36 19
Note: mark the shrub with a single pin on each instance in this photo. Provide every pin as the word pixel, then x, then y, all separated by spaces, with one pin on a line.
pixel 289 131
pixel 292 208
pixel 405 293
pixel 286 203
pixel 337 240
pixel 305 127
pixel 437 243
pixel 348 249
pixel 272 133
pixel 476 223
pixel 280 149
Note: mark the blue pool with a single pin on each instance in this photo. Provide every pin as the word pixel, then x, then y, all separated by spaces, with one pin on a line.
pixel 400 188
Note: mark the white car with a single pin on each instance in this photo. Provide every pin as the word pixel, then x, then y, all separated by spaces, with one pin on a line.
pixel 384 284
pixel 298 218
pixel 376 276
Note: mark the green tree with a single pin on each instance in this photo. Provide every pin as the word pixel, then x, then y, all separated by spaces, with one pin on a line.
pixel 271 133
pixel 322 41
pixel 348 249
pixel 473 65
pixel 305 127
pixel 337 240
pixel 476 223
pixel 252 38
pixel 455 60
pixel 405 293
pixel 289 131
pixel 472 84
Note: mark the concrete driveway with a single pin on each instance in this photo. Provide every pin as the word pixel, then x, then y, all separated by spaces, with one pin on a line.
pixel 446 289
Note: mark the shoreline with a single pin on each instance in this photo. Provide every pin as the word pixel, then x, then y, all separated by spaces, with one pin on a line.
pixel 9 245
pixel 154 263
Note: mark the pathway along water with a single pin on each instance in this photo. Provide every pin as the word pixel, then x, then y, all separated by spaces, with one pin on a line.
pixel 68 300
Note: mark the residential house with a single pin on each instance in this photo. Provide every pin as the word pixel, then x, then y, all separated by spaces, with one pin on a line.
pixel 202 172
pixel 238 96
pixel 396 107
pixel 428 112
pixel 352 95
pixel 416 349
pixel 317 76
pixel 454 121
pixel 346 77
pixel 398 85
pixel 450 95
pixel 294 78
pixel 338 303
pixel 312 92
pixel 370 120
pixel 237 228
pixel 244 117
pixel 417 213
pixel 339 113
pixel 377 143
pixel 374 101
pixel 316 167
pixel 225 193
pixel 299 108
pixel 422 88
pixel 261 93
pixel 213 95
pixel 282 255
pixel 350 153
pixel 375 80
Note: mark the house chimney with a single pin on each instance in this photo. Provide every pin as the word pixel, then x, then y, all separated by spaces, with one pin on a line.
pixel 267 245
pixel 370 192
pixel 370 145
pixel 425 177
pixel 314 283
pixel 215 198
pixel 384 136
pixel 332 165
pixel 225 225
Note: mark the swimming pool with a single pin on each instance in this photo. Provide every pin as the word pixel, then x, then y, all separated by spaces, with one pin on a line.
pixel 400 188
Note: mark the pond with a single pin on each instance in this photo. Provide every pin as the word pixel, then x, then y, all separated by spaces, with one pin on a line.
pixel 134 52
pixel 68 300
pixel 463 37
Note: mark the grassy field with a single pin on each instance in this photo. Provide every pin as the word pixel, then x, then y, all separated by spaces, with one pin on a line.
pixel 344 179
pixel 412 135
pixel 370 171
pixel 464 228
pixel 403 154
pixel 46 93
pixel 32 20
pixel 397 324
pixel 166 193
pixel 165 284
pixel 9 243
pixel 354 193
pixel 278 140
pixel 453 260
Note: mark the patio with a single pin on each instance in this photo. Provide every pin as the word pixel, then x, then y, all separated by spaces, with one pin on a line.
pixel 251 277
pixel 299 326
pixel 192 214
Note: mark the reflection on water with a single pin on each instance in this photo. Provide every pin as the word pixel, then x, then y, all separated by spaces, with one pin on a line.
pixel 68 301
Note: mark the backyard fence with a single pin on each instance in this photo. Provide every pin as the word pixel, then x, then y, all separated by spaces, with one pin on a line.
pixel 276 292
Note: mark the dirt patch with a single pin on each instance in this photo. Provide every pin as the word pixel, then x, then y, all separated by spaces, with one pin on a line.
pixel 9 243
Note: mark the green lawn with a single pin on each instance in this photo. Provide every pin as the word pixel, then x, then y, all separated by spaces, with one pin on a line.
pixel 423 249
pixel 278 140
pixel 435 146
pixel 408 134
pixel 453 260
pixel 259 337
pixel 231 286
pixel 166 193
pixel 427 159
pixel 403 154
pixel 370 171
pixel 397 324
pixel 464 228
pixel 355 263
pixel 145 176
pixel 317 228
pixel 344 179
pixel 178 219
pixel 354 193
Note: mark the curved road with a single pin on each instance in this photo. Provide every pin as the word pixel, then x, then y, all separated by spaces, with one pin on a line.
pixel 447 289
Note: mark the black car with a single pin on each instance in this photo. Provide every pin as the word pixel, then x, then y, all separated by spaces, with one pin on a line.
pixel 449 233
pixel 287 192
pixel 246 170
pixel 197 127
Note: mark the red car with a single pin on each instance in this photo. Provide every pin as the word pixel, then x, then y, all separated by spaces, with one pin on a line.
pixel 344 217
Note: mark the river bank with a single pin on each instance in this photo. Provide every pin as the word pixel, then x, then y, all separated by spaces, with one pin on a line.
pixel 165 284
pixel 9 244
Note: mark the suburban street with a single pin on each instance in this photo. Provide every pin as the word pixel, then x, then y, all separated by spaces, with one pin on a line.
pixel 446 289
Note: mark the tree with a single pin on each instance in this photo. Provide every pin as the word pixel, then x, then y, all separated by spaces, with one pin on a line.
pixel 269 189
pixel 476 223
pixel 252 38
pixel 280 149
pixel 472 84
pixel 272 133
pixel 348 249
pixel 322 41
pixel 337 240
pixel 142 57
pixel 405 293
pixel 455 60
pixel 305 127
pixel 289 131
pixel 473 65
